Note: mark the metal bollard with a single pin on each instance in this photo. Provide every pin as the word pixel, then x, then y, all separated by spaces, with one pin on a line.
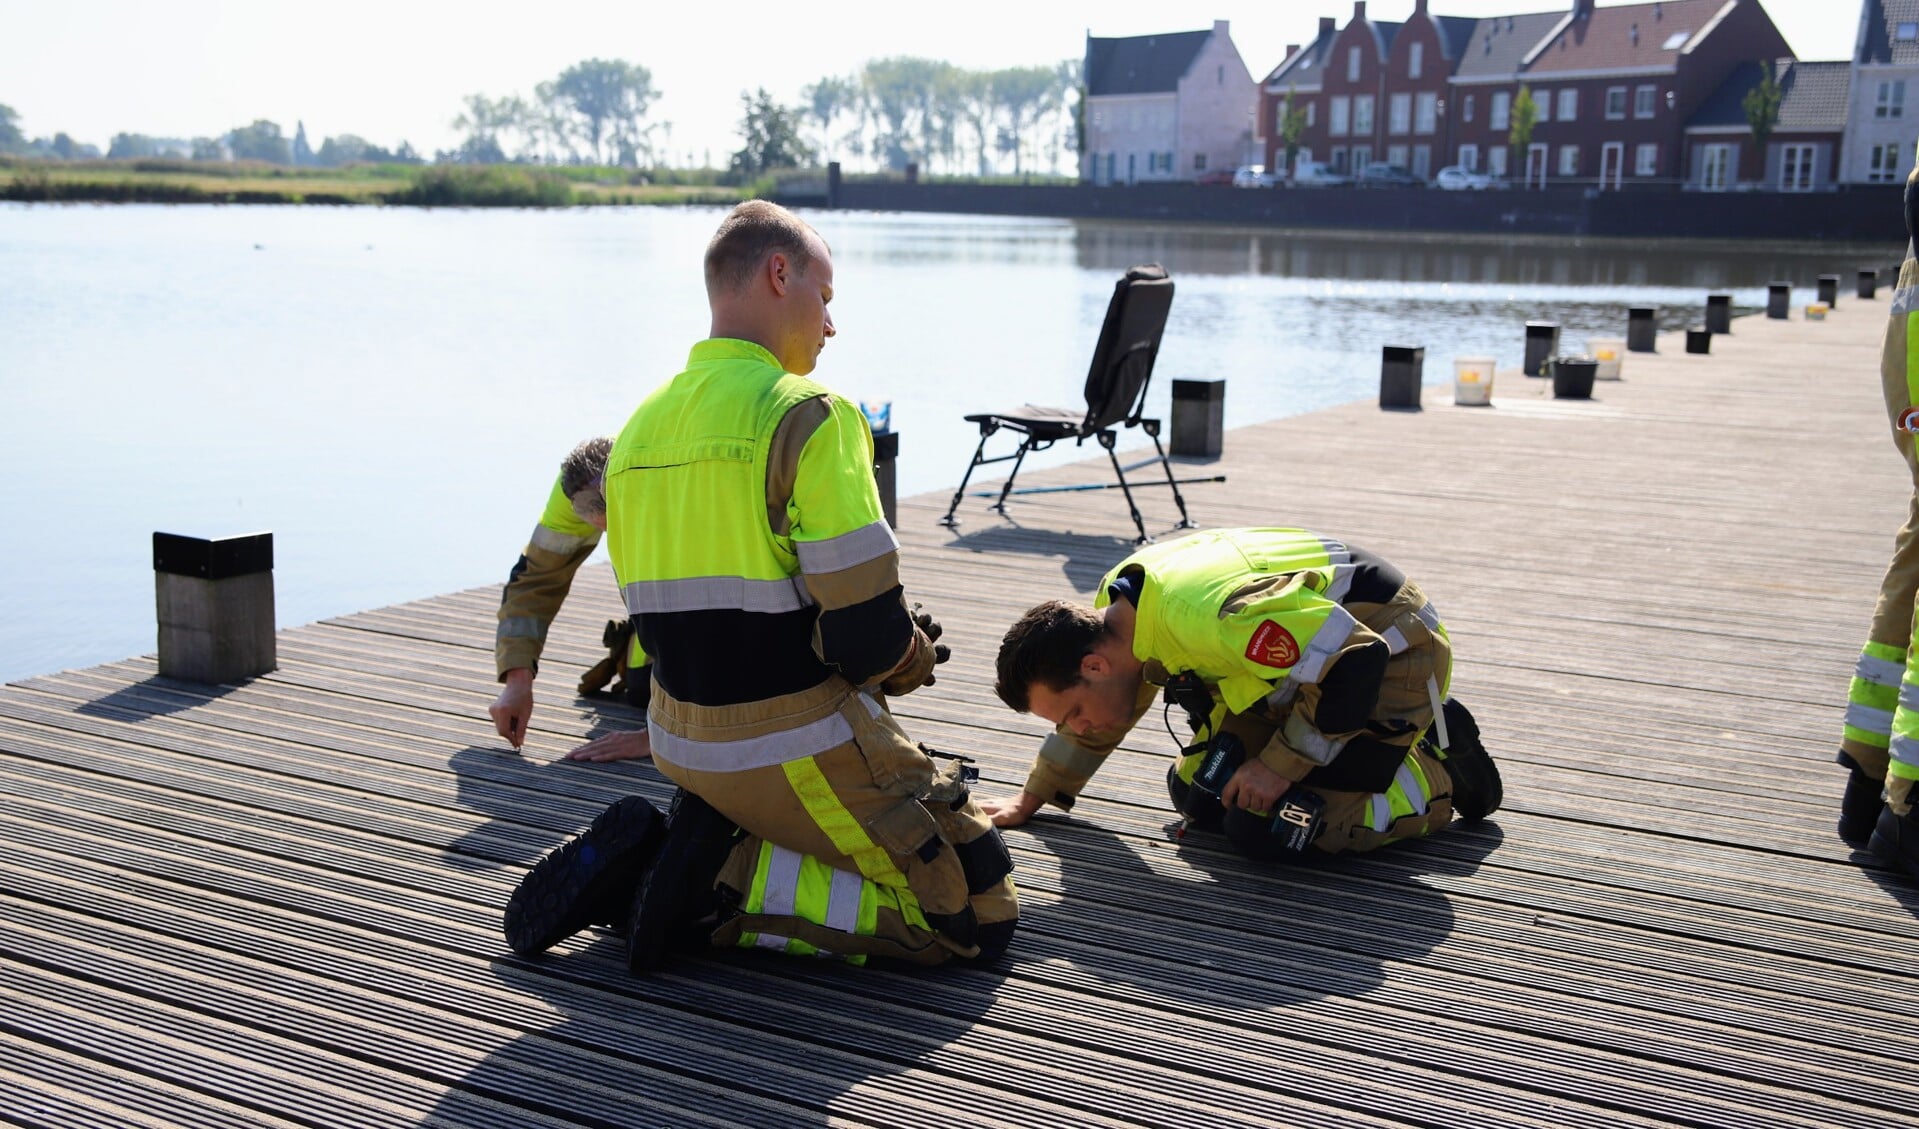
pixel 1401 368
pixel 213 599
pixel 1868 284
pixel 886 451
pixel 1642 328
pixel 1542 344
pixel 1829 289
pixel 1718 313
pixel 1698 339
pixel 1778 300
pixel 1199 418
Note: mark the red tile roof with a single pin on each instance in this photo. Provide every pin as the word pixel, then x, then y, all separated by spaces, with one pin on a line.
pixel 1605 40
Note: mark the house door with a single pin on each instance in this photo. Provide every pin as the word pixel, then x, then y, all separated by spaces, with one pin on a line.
pixel 1715 167
pixel 1536 166
pixel 1132 176
pixel 1612 164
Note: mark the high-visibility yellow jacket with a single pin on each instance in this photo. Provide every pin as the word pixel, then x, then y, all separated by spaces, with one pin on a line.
pixel 746 532
pixel 539 582
pixel 1257 616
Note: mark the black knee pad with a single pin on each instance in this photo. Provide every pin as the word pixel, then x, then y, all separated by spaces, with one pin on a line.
pixel 639 686
pixel 985 861
pixel 994 938
pixel 1205 811
pixel 1253 836
pixel 961 928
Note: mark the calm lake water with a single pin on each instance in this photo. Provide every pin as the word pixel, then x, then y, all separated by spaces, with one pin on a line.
pixel 389 391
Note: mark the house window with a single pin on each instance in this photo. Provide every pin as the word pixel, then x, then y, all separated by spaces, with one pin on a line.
pixel 1399 111
pixel 1426 113
pixel 1716 167
pixel 1892 100
pixel 1885 163
pixel 1469 158
pixel 1352 64
pixel 1362 156
pixel 1795 168
pixel 1543 100
pixel 1496 160
pixel 1338 155
pixel 1416 60
pixel 1422 161
pixel 1643 100
pixel 1615 103
pixel 1569 160
pixel 1312 114
pixel 1199 162
pixel 1568 104
pixel 1336 111
pixel 1908 31
pixel 1396 155
pixel 1645 160
pixel 1466 108
pixel 1502 109
pixel 1363 114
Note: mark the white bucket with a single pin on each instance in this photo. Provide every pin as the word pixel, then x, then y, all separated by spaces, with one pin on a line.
pixel 1473 381
pixel 1609 352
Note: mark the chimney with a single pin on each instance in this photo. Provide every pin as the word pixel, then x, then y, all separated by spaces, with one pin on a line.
pixel 1326 25
pixel 1635 35
pixel 1359 11
pixel 1222 27
pixel 1419 7
pixel 1291 50
pixel 1657 14
pixel 1582 9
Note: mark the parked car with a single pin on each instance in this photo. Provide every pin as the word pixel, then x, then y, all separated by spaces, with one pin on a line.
pixel 1313 174
pixel 1458 178
pixel 1379 174
pixel 1215 176
pixel 1253 176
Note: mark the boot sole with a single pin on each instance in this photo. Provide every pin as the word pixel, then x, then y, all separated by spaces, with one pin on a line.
pixel 1474 773
pixel 573 886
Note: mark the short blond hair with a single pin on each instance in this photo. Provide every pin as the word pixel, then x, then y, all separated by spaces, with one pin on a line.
pixel 749 233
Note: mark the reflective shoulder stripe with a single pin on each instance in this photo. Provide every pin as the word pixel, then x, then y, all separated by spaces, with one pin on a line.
pixel 521 627
pixel 1342 583
pixel 866 543
pixel 553 541
pixel 1325 644
pixel 1883 672
pixel 1870 720
pixel 705 593
pixel 746 753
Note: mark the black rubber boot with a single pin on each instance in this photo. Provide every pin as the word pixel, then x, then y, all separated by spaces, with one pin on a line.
pixel 1895 839
pixel 1859 809
pixel 1477 788
pixel 676 894
pixel 588 880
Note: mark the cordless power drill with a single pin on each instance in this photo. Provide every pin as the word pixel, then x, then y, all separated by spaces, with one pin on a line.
pixel 1296 821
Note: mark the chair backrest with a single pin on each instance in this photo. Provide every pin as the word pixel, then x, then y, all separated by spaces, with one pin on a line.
pixel 1128 345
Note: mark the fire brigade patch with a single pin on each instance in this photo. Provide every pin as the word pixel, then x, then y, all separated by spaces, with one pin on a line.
pixel 1273 645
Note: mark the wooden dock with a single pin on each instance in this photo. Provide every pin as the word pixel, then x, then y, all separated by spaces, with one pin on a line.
pixel 278 904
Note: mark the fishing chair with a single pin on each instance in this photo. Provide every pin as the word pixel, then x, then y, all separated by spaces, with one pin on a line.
pixel 1115 396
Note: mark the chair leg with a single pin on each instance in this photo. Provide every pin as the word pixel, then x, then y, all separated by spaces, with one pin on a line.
pixel 1025 445
pixel 1107 440
pixel 1179 499
pixel 949 521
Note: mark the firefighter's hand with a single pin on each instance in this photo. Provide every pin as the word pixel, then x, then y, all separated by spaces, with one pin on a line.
pixel 514 707
pixel 635 744
pixel 1012 812
pixel 1254 787
pixel 916 669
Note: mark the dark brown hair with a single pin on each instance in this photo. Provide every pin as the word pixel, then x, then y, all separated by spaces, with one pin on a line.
pixel 1045 646
pixel 748 234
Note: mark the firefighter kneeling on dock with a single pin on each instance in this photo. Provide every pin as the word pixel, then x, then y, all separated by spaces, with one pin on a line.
pixel 1312 673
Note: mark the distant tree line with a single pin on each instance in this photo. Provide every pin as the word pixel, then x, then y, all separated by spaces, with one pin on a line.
pixel 259 141
pixel 906 110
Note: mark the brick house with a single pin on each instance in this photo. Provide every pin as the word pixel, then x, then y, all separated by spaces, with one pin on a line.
pixel 1803 150
pixel 1614 86
pixel 1881 130
pixel 1166 107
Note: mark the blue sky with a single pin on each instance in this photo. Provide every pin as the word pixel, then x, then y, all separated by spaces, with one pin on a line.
pixel 396 70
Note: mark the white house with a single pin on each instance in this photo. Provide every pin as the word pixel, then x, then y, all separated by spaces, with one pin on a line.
pixel 1882 120
pixel 1167 107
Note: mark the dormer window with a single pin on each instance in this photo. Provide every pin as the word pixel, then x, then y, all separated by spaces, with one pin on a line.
pixel 1676 40
pixel 1908 30
pixel 1415 60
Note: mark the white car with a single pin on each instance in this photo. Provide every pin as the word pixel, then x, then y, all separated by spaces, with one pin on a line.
pixel 1253 176
pixel 1457 178
pixel 1312 174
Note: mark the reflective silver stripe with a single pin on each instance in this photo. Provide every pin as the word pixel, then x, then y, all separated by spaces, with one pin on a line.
pixel 1428 615
pixel 1908 696
pixel 1905 749
pixel 1879 672
pixel 1395 640
pixel 782 890
pixel 746 753
pixel 843 906
pixel 1409 787
pixel 1309 742
pixel 705 593
pixel 1342 583
pixel 1325 644
pixel 1439 711
pixel 868 542
pixel 1283 697
pixel 553 541
pixel 522 627
pixel 1869 720
pixel 1902 300
pixel 1382 811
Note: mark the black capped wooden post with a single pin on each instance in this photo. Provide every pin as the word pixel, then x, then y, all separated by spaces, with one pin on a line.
pixel 1642 328
pixel 886 453
pixel 214 599
pixel 1868 284
pixel 1829 289
pixel 832 184
pixel 1718 313
pixel 1199 418
pixel 1401 371
pixel 1542 344
pixel 1698 339
pixel 1778 300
